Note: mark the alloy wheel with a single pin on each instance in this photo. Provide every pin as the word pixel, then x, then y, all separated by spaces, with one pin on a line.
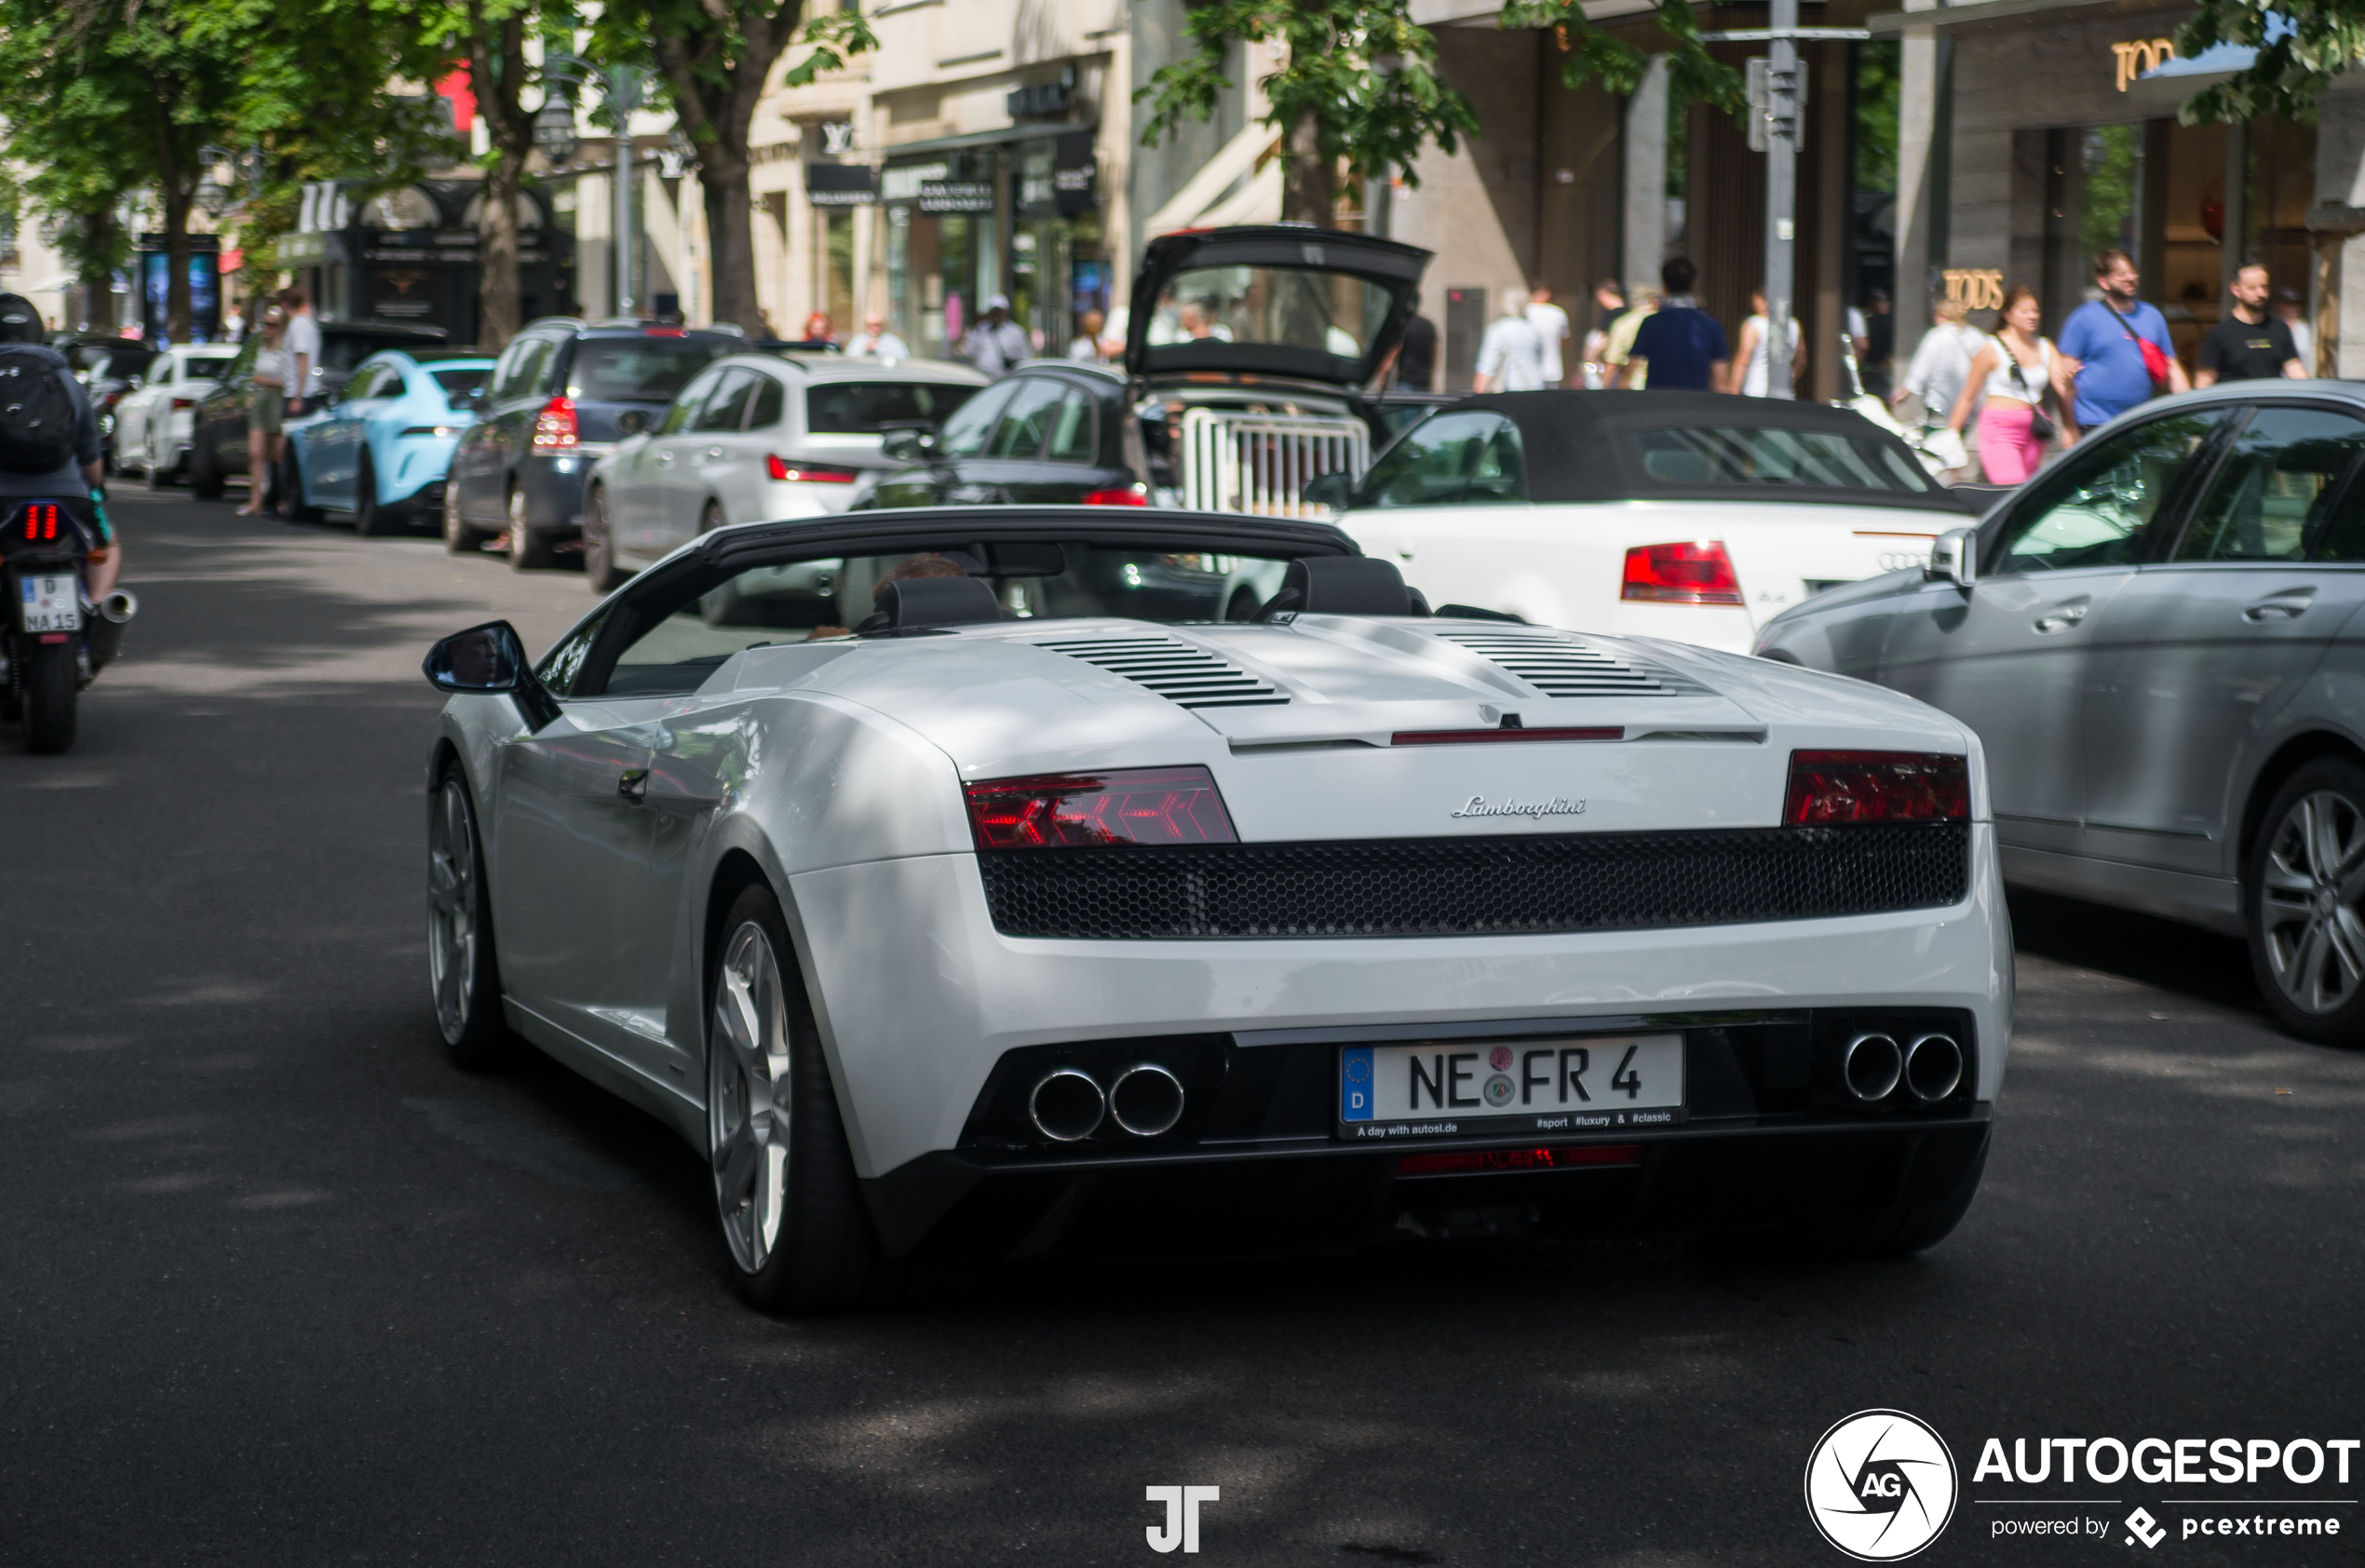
pixel 451 907
pixel 747 1107
pixel 2313 882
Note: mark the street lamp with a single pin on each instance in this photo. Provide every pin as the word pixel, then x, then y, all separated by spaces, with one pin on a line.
pixel 554 130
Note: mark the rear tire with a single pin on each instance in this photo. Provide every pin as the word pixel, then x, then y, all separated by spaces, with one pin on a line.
pixel 2304 903
pixel 794 1223
pixel 458 537
pixel 463 972
pixel 598 545
pixel 370 519
pixel 292 504
pixel 48 698
pixel 205 480
pixel 528 551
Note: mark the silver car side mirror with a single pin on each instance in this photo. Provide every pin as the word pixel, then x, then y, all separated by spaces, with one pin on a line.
pixel 1955 558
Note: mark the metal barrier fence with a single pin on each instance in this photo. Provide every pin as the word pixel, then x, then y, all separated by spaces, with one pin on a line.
pixel 1261 462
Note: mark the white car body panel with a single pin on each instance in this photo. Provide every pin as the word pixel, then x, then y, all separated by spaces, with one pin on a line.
pixel 836 766
pixel 1562 563
pixel 148 429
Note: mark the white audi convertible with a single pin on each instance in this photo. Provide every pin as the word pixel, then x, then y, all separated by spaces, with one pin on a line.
pixel 961 882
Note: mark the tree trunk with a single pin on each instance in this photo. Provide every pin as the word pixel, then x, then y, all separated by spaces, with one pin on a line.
pixel 730 234
pixel 1309 180
pixel 496 70
pixel 98 278
pixel 176 252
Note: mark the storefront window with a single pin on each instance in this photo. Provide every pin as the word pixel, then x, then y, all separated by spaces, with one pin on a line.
pixel 2112 156
pixel 943 254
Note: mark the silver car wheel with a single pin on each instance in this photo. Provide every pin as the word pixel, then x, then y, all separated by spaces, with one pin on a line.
pixel 747 1107
pixel 451 909
pixel 2308 902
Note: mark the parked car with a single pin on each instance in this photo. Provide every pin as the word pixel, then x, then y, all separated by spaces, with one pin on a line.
pixel 754 438
pixel 552 408
pixel 381 447
pixel 1248 351
pixel 978 935
pixel 218 440
pixel 2159 641
pixel 1681 515
pixel 152 419
pixel 108 367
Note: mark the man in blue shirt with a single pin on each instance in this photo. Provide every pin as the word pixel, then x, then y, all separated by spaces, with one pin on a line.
pixel 1682 346
pixel 2102 342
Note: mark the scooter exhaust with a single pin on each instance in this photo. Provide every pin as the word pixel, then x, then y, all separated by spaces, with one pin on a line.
pixel 106 628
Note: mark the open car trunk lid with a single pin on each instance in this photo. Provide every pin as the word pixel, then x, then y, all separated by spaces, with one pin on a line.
pixel 1274 299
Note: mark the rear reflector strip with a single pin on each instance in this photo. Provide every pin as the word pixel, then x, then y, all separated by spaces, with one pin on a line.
pixel 1521 1159
pixel 1471 738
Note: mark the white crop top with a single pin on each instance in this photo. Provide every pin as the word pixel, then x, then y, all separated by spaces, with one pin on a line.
pixel 2032 380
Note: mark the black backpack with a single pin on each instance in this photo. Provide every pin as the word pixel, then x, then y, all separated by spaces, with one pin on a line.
pixel 36 412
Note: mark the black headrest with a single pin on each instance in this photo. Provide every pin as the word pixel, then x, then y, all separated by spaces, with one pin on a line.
pixel 938 601
pixel 1343 585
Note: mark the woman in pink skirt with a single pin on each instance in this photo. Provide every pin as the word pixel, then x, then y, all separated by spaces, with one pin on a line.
pixel 2011 375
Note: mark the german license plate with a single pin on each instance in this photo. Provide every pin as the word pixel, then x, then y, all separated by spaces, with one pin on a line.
pixel 50 603
pixel 1448 1089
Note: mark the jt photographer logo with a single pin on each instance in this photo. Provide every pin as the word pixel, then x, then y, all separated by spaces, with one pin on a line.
pixel 1881 1485
pixel 1181 1527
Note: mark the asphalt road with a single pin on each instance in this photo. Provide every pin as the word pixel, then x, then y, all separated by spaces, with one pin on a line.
pixel 278 1286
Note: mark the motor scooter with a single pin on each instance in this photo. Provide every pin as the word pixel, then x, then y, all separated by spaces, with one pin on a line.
pixel 56 637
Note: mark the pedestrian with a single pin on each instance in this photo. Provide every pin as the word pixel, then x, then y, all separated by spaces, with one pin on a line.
pixel 1876 358
pixel 1551 324
pixel 267 407
pixel 1416 356
pixel 2252 344
pixel 817 329
pixel 2116 349
pixel 1609 303
pixel 1510 358
pixel 875 341
pixel 1752 375
pixel 2011 375
pixel 1682 346
pixel 2292 311
pixel 1618 367
pixel 47 457
pixel 301 338
pixel 1941 365
pixel 1085 345
pixel 996 342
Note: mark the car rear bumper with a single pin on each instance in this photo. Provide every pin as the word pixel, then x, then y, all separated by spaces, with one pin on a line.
pixel 553 489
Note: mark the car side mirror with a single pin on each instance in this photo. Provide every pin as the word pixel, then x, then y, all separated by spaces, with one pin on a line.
pixel 488 660
pixel 1955 558
pixel 1329 490
pixel 631 422
pixel 908 445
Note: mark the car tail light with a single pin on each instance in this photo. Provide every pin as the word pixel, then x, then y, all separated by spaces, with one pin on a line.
pixel 1129 496
pixel 180 403
pixel 1521 1159
pixel 663 333
pixel 1831 789
pixel 554 427
pixel 811 473
pixel 1698 572
pixel 1084 810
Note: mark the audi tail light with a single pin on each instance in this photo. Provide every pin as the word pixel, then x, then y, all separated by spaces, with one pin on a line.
pixel 811 473
pixel 1127 495
pixel 1088 810
pixel 1833 788
pixel 1519 1159
pixel 1697 573
pixel 555 428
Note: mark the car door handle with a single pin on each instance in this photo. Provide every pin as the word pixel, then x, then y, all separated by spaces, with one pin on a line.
pixel 632 784
pixel 2284 606
pixel 2061 617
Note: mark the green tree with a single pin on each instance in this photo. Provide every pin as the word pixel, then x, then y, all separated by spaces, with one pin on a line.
pixel 713 60
pixel 1357 86
pixel 2300 45
pixel 1597 54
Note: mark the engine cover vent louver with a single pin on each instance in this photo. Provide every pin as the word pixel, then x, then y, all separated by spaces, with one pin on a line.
pixel 1182 674
pixel 1559 665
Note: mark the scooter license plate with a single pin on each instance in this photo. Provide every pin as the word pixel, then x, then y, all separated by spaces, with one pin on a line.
pixel 50 603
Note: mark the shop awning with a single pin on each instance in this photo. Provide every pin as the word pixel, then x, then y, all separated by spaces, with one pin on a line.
pixel 904 152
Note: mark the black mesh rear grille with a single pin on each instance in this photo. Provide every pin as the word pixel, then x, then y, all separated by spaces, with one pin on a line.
pixel 1421 887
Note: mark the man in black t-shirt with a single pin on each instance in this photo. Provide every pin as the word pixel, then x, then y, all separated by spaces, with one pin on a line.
pixel 1416 357
pixel 2249 344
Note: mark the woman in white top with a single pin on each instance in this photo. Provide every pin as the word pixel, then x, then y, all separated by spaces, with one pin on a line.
pixel 1749 375
pixel 1941 366
pixel 266 409
pixel 2011 375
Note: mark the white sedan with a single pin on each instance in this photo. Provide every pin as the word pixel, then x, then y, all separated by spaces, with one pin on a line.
pixel 153 420
pixel 1046 912
pixel 755 437
pixel 1681 515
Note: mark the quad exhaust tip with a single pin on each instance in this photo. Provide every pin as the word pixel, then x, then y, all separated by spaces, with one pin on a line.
pixel 1933 1067
pixel 1068 1104
pixel 1872 1065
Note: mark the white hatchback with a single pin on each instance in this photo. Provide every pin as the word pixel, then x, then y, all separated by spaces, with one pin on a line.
pixel 1678 515
pixel 152 421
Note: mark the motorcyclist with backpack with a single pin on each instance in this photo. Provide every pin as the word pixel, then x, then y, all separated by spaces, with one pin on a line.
pixel 48 432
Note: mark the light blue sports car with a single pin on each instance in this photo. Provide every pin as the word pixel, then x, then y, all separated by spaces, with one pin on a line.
pixel 381 450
